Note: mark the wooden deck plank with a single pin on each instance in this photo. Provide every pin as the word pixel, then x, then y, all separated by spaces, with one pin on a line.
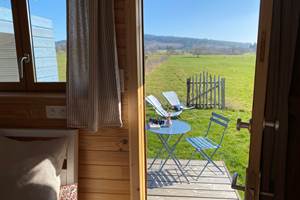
pixel 193 162
pixel 185 193
pixel 189 198
pixel 173 179
pixel 195 172
pixel 210 170
pixel 203 186
pixel 169 184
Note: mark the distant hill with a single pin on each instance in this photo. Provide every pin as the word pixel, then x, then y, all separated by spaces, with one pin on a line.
pixel 198 46
pixel 61 45
pixel 172 44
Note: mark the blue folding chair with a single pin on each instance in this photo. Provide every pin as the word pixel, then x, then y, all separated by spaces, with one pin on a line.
pixel 201 144
pixel 159 109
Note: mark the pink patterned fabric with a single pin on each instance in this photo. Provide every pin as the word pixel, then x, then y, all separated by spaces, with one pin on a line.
pixel 68 192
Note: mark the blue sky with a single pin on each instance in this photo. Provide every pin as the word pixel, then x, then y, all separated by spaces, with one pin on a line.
pixel 54 10
pixel 231 20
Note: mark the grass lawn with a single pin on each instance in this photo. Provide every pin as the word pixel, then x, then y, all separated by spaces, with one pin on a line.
pixel 239 73
pixel 62 63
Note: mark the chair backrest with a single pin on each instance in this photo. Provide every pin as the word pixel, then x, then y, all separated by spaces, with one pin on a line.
pixel 157 105
pixel 219 120
pixel 172 98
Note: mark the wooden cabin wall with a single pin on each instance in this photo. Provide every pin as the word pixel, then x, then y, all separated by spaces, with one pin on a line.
pixel 103 157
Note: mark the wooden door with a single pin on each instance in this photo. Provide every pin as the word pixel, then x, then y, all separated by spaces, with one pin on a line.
pixel 269 127
pixel 259 98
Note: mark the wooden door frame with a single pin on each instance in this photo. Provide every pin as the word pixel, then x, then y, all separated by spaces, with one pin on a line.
pixel 259 97
pixel 136 113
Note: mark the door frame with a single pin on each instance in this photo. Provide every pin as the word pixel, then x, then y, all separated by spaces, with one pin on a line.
pixel 136 107
pixel 259 98
pixel 136 110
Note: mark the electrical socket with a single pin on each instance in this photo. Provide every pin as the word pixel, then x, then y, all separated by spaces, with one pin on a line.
pixel 56 112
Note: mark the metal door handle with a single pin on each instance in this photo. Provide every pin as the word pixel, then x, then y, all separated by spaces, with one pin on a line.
pixel 274 125
pixel 240 124
pixel 25 59
pixel 234 185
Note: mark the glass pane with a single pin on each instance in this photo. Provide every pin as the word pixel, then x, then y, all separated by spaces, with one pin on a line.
pixel 9 71
pixel 48 27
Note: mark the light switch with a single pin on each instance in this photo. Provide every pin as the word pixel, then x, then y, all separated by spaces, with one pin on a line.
pixel 56 112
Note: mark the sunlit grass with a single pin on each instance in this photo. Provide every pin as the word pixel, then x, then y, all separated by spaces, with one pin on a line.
pixel 238 70
pixel 62 65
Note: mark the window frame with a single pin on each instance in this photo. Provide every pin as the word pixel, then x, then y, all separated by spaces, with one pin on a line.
pixel 23 40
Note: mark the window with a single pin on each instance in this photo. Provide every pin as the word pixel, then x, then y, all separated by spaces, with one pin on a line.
pixel 32 45
pixel 9 71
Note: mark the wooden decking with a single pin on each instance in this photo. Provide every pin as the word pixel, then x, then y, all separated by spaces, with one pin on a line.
pixel 170 185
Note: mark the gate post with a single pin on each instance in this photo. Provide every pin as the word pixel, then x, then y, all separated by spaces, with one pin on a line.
pixel 223 93
pixel 188 90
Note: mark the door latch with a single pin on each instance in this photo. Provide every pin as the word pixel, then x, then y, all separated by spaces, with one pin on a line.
pixel 240 124
pixel 25 59
pixel 234 185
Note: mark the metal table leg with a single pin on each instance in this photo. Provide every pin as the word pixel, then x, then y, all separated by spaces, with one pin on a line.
pixel 160 151
pixel 170 151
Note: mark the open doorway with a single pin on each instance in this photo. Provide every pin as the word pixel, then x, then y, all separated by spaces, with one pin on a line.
pixel 199 59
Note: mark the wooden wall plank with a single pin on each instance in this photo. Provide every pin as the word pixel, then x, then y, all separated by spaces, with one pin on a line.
pixel 97 196
pixel 5 14
pixel 43 42
pixel 8 63
pixel 100 143
pixel 104 172
pixel 28 110
pixel 103 158
pixel 44 52
pixel 109 132
pixel 6 27
pixel 104 186
pixel 7 40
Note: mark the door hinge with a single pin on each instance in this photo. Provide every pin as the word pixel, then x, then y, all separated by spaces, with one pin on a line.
pixel 252 188
pixel 268 194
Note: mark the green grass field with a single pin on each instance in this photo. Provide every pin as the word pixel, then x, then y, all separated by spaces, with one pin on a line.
pixel 239 73
pixel 171 75
pixel 61 61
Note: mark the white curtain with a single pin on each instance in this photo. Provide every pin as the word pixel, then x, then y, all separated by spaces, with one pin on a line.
pixel 93 86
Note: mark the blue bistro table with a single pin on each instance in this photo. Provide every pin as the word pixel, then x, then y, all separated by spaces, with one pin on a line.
pixel 164 134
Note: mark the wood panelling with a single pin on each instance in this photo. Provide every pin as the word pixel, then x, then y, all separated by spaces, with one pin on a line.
pixel 101 143
pixel 97 196
pixel 104 172
pixel 104 156
pixel 29 110
pixel 104 186
pixel 111 132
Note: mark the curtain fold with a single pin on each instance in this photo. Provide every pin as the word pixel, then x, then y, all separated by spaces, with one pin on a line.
pixel 93 83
